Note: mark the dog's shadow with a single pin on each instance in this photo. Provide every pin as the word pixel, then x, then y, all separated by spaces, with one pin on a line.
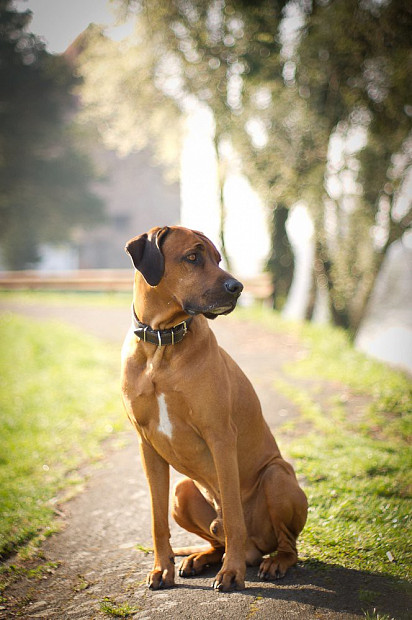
pixel 323 586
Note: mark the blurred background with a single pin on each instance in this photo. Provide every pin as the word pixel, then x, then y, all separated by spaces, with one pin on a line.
pixel 282 130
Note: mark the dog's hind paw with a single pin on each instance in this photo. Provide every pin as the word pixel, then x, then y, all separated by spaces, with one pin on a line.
pixel 197 562
pixel 275 567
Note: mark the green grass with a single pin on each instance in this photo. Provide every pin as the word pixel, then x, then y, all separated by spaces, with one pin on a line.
pixel 56 409
pixel 59 397
pixel 116 610
pixel 359 502
pixel 373 615
pixel 357 469
pixel 330 355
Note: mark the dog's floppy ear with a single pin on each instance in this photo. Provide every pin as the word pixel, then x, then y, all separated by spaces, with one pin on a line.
pixel 146 254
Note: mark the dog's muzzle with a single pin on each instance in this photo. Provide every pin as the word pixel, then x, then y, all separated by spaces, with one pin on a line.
pixel 223 303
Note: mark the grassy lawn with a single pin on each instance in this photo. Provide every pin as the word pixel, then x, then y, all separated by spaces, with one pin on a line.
pixel 355 458
pixel 59 397
pixel 356 461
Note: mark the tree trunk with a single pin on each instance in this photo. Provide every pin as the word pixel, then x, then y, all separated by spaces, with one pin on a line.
pixel 281 262
pixel 324 278
pixel 20 247
pixel 311 301
pixel 221 177
pixel 357 315
pixel 396 230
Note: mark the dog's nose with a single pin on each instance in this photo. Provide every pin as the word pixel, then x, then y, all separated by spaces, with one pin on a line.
pixel 233 286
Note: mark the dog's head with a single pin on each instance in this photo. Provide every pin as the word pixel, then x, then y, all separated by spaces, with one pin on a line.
pixel 184 265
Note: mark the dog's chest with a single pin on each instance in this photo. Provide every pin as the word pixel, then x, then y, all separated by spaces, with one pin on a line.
pixel 169 418
pixel 168 426
pixel 165 424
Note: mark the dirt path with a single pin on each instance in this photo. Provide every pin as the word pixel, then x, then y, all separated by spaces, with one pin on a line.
pixel 96 554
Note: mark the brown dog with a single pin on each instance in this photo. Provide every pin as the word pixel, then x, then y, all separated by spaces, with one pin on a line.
pixel 194 409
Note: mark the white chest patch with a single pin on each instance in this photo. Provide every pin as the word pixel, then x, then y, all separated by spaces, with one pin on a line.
pixel 165 425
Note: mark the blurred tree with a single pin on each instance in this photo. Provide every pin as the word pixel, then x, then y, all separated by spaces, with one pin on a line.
pixel 345 80
pixel 131 94
pixel 353 67
pixel 44 178
pixel 224 53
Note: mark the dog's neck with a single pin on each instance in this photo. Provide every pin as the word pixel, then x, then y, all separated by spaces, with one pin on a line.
pixel 157 311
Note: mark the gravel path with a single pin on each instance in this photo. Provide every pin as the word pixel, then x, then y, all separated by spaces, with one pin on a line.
pixel 96 554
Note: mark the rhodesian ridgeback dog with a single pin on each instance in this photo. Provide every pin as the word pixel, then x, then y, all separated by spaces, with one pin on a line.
pixel 194 409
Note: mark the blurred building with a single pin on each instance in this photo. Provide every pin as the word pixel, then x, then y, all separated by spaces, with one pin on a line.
pixel 136 198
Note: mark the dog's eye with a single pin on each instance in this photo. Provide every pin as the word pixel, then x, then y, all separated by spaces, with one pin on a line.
pixel 192 258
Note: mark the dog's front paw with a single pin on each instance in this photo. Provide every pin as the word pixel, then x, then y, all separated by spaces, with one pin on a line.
pixel 161 578
pixel 229 579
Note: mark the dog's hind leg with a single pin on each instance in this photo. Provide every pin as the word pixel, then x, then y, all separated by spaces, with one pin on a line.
pixel 287 507
pixel 193 513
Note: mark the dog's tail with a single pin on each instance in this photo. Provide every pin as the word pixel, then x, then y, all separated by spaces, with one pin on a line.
pixel 181 551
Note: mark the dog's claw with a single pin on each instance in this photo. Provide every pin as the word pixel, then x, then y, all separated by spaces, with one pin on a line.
pixel 182 573
pixel 158 586
pixel 271 573
pixel 219 586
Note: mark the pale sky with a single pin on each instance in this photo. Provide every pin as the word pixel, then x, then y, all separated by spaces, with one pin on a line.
pixel 58 22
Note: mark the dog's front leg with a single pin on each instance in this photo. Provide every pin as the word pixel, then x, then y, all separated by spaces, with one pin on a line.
pixel 232 573
pixel 157 473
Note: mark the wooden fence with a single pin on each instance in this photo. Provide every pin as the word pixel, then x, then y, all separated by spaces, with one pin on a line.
pixel 258 287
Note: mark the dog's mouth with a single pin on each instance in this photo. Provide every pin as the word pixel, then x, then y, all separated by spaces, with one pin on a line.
pixel 212 311
pixel 221 310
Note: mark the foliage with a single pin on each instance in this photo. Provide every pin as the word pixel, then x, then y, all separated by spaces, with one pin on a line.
pixel 44 177
pixel 121 96
pixel 281 101
pixel 55 409
pixel 352 65
pixel 183 55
